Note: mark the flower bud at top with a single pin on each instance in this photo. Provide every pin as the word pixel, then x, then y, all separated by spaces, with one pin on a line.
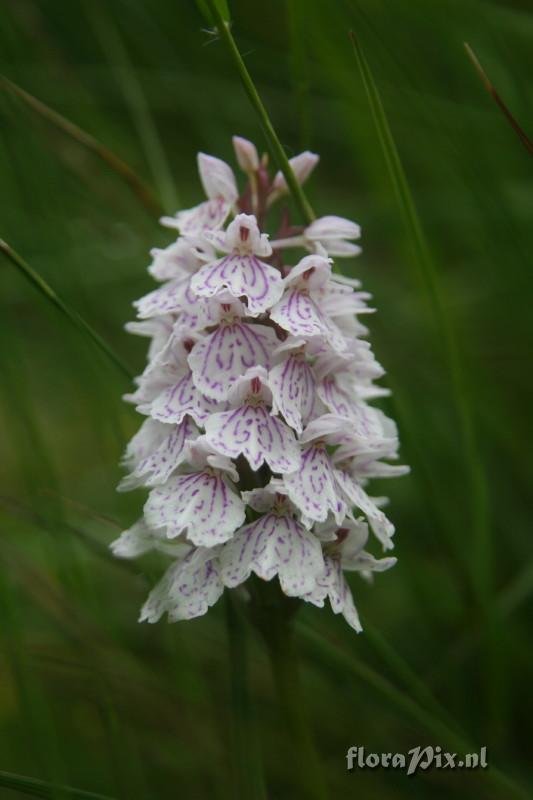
pixel 302 165
pixel 246 154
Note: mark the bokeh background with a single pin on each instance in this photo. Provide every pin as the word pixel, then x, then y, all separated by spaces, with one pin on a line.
pixel 88 697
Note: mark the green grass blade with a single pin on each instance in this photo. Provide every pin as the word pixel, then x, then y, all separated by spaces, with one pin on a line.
pixel 36 788
pixel 417 688
pixel 85 139
pixel 223 28
pixel 204 10
pixel 520 132
pixel 113 46
pixel 333 657
pixel 438 306
pixel 76 319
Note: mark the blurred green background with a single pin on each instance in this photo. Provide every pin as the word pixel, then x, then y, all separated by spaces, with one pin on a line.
pixel 90 698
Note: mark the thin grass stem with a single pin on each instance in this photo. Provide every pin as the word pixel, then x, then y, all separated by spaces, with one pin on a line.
pixel 37 788
pixel 481 562
pixel 113 45
pixel 71 314
pixel 333 657
pixel 85 139
pixel 224 31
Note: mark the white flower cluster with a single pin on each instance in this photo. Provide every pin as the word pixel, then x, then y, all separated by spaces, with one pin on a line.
pixel 259 438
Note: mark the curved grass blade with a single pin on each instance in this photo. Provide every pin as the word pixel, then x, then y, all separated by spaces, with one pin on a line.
pixel 224 31
pixel 331 656
pixel 113 46
pixel 407 675
pixel 481 563
pixel 37 788
pixel 76 319
pixel 520 132
pixel 85 139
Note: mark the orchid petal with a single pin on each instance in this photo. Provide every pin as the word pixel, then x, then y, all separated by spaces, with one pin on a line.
pixel 140 539
pixel 181 399
pixel 293 389
pixel 313 488
pixel 298 313
pixel 253 432
pixel 241 275
pixel 381 526
pixel 158 329
pixel 158 465
pixel 274 545
pixel 209 215
pixel 246 154
pixel 302 165
pixel 217 178
pixel 333 585
pixel 219 359
pixel 188 588
pixel 204 504
pixel 167 299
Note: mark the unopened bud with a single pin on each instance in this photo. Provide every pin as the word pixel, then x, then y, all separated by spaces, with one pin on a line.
pixel 246 154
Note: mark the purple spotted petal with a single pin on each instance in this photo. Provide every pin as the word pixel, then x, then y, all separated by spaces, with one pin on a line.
pixel 354 492
pixel 181 399
pixel 293 389
pixel 158 466
pixel 298 313
pixel 169 298
pixel 202 503
pixel 206 216
pixel 274 545
pixel 252 431
pixel 140 539
pixel 158 329
pixel 148 438
pixel 187 589
pixel 241 275
pixel 313 488
pixel 219 359
pixel 339 397
pixel 332 584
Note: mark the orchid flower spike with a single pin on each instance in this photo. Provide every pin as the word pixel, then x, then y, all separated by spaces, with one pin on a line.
pixel 259 439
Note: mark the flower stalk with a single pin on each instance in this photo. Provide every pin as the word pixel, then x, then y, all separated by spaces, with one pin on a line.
pixel 224 31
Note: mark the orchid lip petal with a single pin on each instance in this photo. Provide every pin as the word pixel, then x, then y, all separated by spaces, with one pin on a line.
pixel 243 276
pixel 298 313
pixel 313 487
pixel 274 545
pixel 202 504
pixel 293 388
pixel 221 357
pixel 250 430
pixel 190 586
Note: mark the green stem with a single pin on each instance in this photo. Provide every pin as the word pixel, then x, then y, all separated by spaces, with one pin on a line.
pixel 276 147
pixel 247 760
pixel 280 640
